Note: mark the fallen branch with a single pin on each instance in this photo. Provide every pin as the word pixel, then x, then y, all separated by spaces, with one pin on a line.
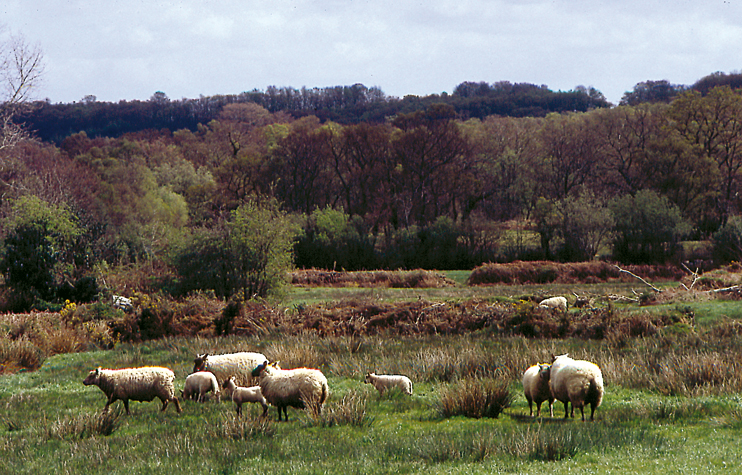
pixel 637 277
pixel 727 289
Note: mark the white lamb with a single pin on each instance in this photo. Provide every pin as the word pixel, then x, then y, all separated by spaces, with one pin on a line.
pixel 536 388
pixel 554 302
pixel 383 382
pixel 578 382
pixel 242 395
pixel 291 387
pixel 198 384
pixel 239 365
pixel 137 384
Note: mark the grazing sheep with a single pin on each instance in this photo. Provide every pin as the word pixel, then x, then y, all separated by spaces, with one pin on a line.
pixel 536 388
pixel 198 384
pixel 241 395
pixel 554 302
pixel 578 382
pixel 291 387
pixel 239 365
pixel 382 382
pixel 137 384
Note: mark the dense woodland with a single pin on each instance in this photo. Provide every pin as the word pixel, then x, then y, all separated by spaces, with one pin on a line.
pixel 352 179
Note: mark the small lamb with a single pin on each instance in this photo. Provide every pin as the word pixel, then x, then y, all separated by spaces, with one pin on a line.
pixel 536 388
pixel 198 384
pixel 382 382
pixel 242 395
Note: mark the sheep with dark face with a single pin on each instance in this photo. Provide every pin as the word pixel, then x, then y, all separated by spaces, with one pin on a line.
pixel 536 388
pixel 241 395
pixel 291 387
pixel 137 384
pixel 577 382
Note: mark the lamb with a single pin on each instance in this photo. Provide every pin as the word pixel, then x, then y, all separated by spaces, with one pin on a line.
pixel 198 384
pixel 382 382
pixel 577 381
pixel 291 387
pixel 554 302
pixel 239 365
pixel 137 384
pixel 241 395
pixel 536 388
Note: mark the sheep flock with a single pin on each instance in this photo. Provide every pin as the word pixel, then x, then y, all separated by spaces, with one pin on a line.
pixel 250 377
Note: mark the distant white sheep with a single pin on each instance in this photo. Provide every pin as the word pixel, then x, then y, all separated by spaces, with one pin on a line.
pixel 198 384
pixel 239 365
pixel 578 382
pixel 383 382
pixel 554 302
pixel 122 303
pixel 536 388
pixel 291 387
pixel 242 395
pixel 137 384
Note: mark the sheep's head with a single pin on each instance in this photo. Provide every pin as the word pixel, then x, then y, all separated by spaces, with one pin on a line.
pixel 229 383
pixel 259 369
pixel 93 377
pixel 199 363
pixel 544 371
pixel 368 377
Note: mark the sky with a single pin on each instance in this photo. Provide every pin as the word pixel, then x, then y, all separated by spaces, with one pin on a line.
pixel 129 49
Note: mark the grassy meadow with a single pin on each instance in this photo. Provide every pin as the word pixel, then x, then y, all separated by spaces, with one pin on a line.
pixel 672 402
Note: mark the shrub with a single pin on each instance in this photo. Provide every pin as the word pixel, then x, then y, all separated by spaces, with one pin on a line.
pixel 474 397
pixel 727 241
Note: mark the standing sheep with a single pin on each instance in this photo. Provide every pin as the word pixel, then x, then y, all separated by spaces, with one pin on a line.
pixel 578 382
pixel 198 384
pixel 291 387
pixel 239 365
pixel 241 395
pixel 382 382
pixel 536 388
pixel 137 384
pixel 554 302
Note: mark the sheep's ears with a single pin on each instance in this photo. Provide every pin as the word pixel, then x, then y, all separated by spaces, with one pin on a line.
pixel 97 370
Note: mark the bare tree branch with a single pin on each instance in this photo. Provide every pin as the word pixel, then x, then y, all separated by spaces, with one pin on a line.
pixel 639 278
pixel 21 69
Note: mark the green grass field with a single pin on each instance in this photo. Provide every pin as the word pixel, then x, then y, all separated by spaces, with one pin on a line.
pixel 672 405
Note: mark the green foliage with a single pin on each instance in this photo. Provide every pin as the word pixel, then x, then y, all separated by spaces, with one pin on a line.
pixel 727 241
pixel 586 225
pixel 332 239
pixel 648 228
pixel 250 254
pixel 39 250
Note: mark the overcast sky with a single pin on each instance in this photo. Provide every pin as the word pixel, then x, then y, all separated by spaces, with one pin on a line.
pixel 130 49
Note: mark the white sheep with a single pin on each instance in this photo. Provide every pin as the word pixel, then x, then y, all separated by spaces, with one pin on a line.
pixel 291 387
pixel 578 382
pixel 242 395
pixel 239 365
pixel 536 388
pixel 123 303
pixel 554 302
pixel 198 384
pixel 137 384
pixel 383 382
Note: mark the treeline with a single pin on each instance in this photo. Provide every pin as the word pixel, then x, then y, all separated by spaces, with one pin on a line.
pixel 425 189
pixel 341 104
